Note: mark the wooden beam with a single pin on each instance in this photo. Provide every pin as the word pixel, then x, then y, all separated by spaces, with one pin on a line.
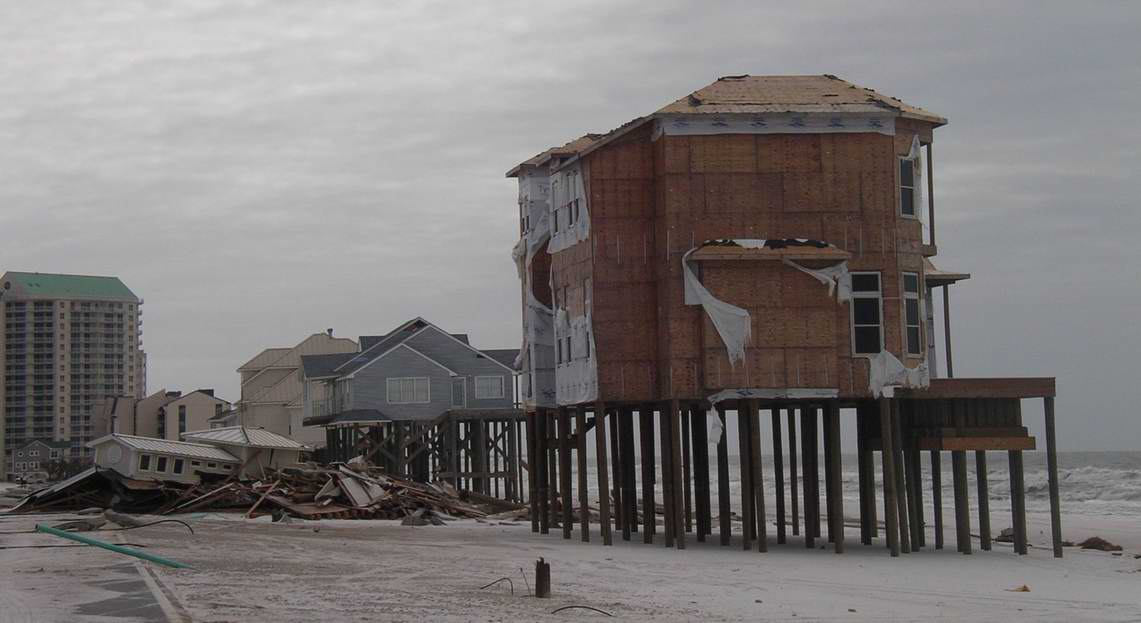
pixel 778 471
pixel 962 504
pixel 649 506
pixel 1010 388
pixel 687 469
pixel 566 494
pixel 532 463
pixel 761 516
pixel 541 476
pixel 1052 469
pixel 629 494
pixel 968 444
pixel 603 477
pixel 891 524
pixel 1018 501
pixel 580 452
pixel 723 512
pixel 668 500
pixel 616 463
pixel 675 441
pixel 699 422
pixel 807 451
pixel 748 525
pixel 900 481
pixel 937 496
pixel 792 486
pixel 837 494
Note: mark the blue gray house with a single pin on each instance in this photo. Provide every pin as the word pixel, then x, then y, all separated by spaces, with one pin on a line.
pixel 423 401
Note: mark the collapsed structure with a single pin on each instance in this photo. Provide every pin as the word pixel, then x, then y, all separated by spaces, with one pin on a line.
pixel 763 243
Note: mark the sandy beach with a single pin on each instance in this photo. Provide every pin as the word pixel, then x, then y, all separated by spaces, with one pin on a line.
pixel 254 570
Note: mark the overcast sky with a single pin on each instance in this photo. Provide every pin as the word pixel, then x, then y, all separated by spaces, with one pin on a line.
pixel 262 170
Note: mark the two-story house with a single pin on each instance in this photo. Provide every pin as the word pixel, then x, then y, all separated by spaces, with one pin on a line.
pixel 413 385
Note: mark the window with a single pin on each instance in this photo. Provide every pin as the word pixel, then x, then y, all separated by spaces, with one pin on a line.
pixel 55 454
pixel 195 464
pixel 867 314
pixel 459 391
pixel 144 462
pixel 19 466
pixel 161 466
pixel 488 387
pixel 33 452
pixel 408 390
pixel 177 466
pixel 907 186
pixel 911 313
pixel 181 419
pixel 212 465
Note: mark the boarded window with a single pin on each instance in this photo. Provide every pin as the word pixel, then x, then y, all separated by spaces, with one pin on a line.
pixel 867 314
pixel 488 387
pixel 408 390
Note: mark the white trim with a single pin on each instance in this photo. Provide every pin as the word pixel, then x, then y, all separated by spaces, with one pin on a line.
pixel 852 312
pixel 905 296
pixel 915 189
pixel 389 352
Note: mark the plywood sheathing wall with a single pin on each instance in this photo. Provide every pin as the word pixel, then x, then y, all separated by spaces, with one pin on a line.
pixel 651 201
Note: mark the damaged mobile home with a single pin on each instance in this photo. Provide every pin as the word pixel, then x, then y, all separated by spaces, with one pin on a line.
pixel 762 245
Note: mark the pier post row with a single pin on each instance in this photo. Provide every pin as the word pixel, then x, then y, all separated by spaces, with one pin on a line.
pixel 755 255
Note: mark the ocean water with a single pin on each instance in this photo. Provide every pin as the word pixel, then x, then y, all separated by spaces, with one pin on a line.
pixel 1090 483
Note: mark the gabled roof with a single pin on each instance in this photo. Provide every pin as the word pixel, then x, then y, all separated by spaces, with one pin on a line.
pixel 368 341
pixel 505 356
pixel 324 366
pixel 51 443
pixel 164 446
pixel 244 436
pixel 776 94
pixel 730 95
pixel 59 286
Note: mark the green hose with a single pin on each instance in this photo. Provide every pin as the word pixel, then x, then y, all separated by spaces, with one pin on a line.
pixel 118 549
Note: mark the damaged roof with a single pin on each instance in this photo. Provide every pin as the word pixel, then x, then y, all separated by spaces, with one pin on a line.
pixel 569 149
pixel 174 448
pixel 776 94
pixel 244 436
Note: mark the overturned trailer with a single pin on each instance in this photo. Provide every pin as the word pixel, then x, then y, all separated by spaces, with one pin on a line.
pixel 761 245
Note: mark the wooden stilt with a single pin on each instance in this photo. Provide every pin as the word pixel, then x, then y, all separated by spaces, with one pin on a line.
pixel 1018 501
pixel 887 453
pixel 792 486
pixel 826 434
pixel 962 504
pixel 917 487
pixel 668 500
pixel 748 527
pixel 629 494
pixel 937 496
pixel 760 516
pixel 616 464
pixel 649 507
pixel 699 423
pixel 1052 469
pixel 778 471
pixel 566 495
pixel 580 454
pixel 865 420
pixel 687 469
pixel 984 500
pixel 807 456
pixel 603 476
pixel 541 474
pixel 532 464
pixel 836 495
pixel 553 465
pixel 675 441
pixel 723 512
pixel 904 517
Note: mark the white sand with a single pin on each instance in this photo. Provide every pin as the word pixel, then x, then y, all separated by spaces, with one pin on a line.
pixel 378 570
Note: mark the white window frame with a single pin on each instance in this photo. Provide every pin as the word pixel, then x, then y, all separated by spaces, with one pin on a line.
pixel 161 463
pixel 852 312
pixel 916 296
pixel 407 400
pixel 490 396
pixel 149 458
pixel 899 190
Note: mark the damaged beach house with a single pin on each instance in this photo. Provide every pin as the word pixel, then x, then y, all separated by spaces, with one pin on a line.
pixel 756 255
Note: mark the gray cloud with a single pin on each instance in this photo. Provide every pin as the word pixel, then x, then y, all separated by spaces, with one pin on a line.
pixel 262 170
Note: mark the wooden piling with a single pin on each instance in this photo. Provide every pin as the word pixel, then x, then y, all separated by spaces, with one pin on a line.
pixel 760 514
pixel 580 454
pixel 649 506
pixel 807 452
pixel 984 500
pixel 566 496
pixel 629 494
pixel 744 457
pixel 1018 501
pixel 723 510
pixel 937 496
pixel 603 477
pixel 1052 469
pixel 699 423
pixel 687 469
pixel 668 500
pixel 917 486
pixel 778 471
pixel 891 520
pixel 541 474
pixel 792 486
pixel 826 434
pixel 962 504
pixel 533 499
pixel 616 472
pixel 904 518
pixel 675 441
pixel 836 495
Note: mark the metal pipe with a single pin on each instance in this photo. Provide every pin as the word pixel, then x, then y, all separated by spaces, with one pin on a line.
pixel 118 549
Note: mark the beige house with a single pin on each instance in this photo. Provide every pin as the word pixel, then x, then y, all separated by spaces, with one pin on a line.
pixel 272 388
pixel 162 415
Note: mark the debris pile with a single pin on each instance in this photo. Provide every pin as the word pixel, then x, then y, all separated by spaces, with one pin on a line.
pixel 337 491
